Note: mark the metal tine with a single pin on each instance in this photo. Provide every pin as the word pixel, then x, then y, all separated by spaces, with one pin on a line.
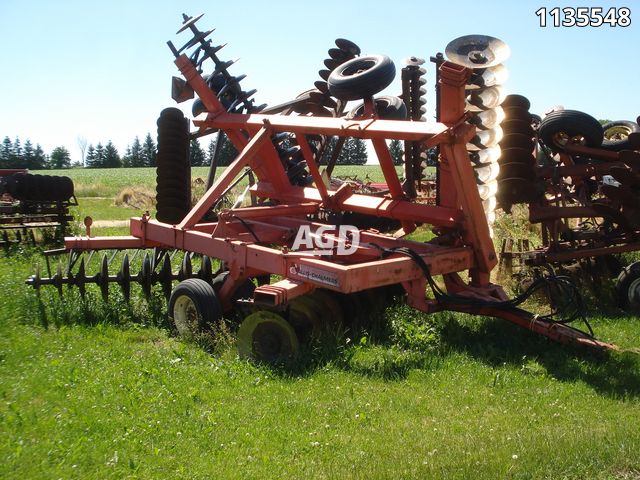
pixel 189 22
pixel 103 277
pixel 124 277
pixel 197 38
pixel 115 252
pixel 57 279
pixel 242 98
pixel 135 254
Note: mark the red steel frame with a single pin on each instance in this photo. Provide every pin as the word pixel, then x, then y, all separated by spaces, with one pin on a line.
pixel 459 219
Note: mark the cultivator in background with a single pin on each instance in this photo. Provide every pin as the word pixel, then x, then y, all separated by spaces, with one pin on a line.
pixel 301 256
pixel 586 197
pixel 30 203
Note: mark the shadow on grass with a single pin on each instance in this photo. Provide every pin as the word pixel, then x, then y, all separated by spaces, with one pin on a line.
pixel 495 342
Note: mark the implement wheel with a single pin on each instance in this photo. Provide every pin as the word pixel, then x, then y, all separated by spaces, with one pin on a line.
pixel 361 77
pixel 628 288
pixel 193 305
pixel 565 127
pixel 267 337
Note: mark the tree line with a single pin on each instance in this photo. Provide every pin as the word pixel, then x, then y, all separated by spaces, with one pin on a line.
pixel 14 154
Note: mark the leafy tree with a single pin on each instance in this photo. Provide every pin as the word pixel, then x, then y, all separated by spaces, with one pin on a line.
pixel 149 151
pixel 111 156
pixel 396 151
pixel 196 154
pixel 82 144
pixel 60 158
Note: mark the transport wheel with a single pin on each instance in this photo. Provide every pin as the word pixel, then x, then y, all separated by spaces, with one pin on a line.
pixel 328 308
pixel 307 318
pixel 387 108
pixel 628 288
pixel 267 337
pixel 361 77
pixel 616 135
pixel 564 127
pixel 192 306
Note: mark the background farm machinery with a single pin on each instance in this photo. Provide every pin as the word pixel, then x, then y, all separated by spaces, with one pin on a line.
pixel 248 252
pixel 31 202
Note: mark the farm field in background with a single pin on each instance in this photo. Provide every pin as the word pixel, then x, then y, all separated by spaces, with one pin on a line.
pixel 94 390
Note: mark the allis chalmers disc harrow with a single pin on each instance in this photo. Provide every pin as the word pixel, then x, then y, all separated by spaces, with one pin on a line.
pixel 284 255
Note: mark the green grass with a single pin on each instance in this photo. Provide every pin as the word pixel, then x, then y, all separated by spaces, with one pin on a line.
pixel 104 390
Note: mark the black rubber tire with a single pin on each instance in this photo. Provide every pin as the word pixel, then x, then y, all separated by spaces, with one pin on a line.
pixel 361 77
pixel 628 288
pixel 561 125
pixel 193 296
pixel 387 108
pixel 516 101
pixel 173 167
pixel 618 127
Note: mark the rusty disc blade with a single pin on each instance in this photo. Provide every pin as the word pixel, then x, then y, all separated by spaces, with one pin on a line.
pixel 516 170
pixel 348 46
pixel 517 155
pixel 517 190
pixel 517 125
pixel 517 140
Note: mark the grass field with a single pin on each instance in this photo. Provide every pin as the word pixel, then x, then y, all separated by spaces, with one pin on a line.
pixel 95 390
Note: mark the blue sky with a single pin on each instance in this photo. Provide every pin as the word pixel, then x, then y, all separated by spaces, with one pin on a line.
pixel 102 70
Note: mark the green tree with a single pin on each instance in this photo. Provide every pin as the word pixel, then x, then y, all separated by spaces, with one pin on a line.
pixel 396 151
pixel 354 152
pixel 6 152
pixel 197 156
pixel 227 153
pixel 60 158
pixel 149 151
pixel 39 158
pixel 111 156
pixel 211 150
pixel 134 156
pixel 91 158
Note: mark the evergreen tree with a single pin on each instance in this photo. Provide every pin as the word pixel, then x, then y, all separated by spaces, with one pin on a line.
pixel 227 153
pixel 111 156
pixel 396 151
pixel 40 160
pixel 99 155
pixel 6 151
pixel 60 158
pixel 134 156
pixel 354 152
pixel 211 149
pixel 28 156
pixel 17 153
pixel 196 154
pixel 91 158
pixel 149 151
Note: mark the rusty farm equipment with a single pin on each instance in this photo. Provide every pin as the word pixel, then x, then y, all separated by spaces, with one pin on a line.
pixel 32 202
pixel 299 253
pixel 581 183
